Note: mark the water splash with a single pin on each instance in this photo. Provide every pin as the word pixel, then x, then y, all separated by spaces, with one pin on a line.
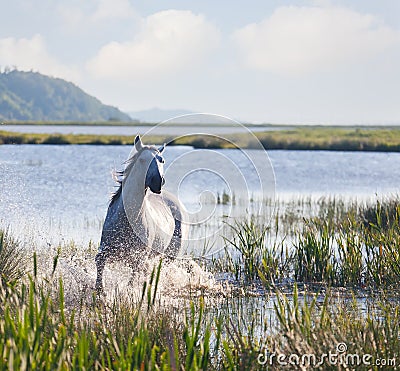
pixel 179 279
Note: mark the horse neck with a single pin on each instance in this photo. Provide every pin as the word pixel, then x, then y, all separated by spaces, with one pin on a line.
pixel 133 192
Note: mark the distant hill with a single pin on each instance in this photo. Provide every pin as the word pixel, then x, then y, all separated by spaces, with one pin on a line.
pixel 31 96
pixel 156 115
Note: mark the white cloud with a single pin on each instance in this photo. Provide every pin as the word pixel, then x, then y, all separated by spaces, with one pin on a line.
pixel 167 42
pixel 299 40
pixel 31 54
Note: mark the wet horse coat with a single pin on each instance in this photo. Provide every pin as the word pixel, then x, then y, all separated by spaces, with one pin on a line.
pixel 142 218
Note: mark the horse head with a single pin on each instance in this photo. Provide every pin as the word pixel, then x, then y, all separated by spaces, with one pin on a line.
pixel 150 158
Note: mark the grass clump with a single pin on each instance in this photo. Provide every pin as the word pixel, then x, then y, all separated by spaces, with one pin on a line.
pixel 310 328
pixel 382 243
pixel 251 254
pixel 314 253
pixel 12 259
pixel 350 248
pixel 354 246
pixel 248 241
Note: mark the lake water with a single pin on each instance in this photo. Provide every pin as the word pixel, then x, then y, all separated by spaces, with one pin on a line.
pixel 175 130
pixel 62 192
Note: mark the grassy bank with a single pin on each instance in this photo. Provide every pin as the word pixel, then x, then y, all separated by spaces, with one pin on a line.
pixel 35 138
pixel 336 139
pixel 313 138
pixel 133 123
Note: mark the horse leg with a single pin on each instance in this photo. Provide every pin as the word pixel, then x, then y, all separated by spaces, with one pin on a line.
pixel 100 263
pixel 175 244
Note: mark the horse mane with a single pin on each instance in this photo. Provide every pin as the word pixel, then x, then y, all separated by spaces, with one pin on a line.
pixel 119 176
pixel 116 194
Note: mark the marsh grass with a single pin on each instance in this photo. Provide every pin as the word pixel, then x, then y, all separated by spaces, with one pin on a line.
pixel 238 329
pixel 382 242
pixel 248 243
pixel 314 252
pixel 339 244
pixel 350 248
pixel 12 258
pixel 92 139
pixel 309 327
pixel 38 331
pixel 299 138
pixel 332 138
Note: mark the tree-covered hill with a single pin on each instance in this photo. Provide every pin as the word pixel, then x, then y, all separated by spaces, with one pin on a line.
pixel 31 96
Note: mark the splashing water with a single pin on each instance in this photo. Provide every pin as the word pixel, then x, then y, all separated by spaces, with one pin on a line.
pixel 180 279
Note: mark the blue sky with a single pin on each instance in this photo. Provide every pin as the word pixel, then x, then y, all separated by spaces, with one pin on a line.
pixel 324 62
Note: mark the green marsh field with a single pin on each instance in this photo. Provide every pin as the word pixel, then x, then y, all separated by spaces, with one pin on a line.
pixel 383 139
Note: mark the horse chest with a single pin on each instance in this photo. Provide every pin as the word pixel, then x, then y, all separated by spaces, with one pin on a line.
pixel 158 223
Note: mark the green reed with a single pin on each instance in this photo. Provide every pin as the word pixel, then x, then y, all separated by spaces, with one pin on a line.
pixel 339 244
pixel 12 258
pixel 37 331
pixel 314 252
pixel 248 241
pixel 350 247
pixel 252 253
pixel 382 242
pixel 308 326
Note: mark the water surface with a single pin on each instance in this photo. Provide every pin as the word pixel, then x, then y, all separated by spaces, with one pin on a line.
pixel 175 130
pixel 63 191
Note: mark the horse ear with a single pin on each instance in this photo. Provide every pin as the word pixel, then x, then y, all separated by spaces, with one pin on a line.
pixel 161 149
pixel 138 143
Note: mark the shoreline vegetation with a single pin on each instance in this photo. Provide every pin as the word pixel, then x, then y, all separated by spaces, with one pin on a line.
pixel 385 139
pixel 342 251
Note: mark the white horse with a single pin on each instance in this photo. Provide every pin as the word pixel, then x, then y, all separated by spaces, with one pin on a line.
pixel 142 219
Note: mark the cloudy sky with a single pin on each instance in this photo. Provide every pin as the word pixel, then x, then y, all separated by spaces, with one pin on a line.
pixel 327 62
